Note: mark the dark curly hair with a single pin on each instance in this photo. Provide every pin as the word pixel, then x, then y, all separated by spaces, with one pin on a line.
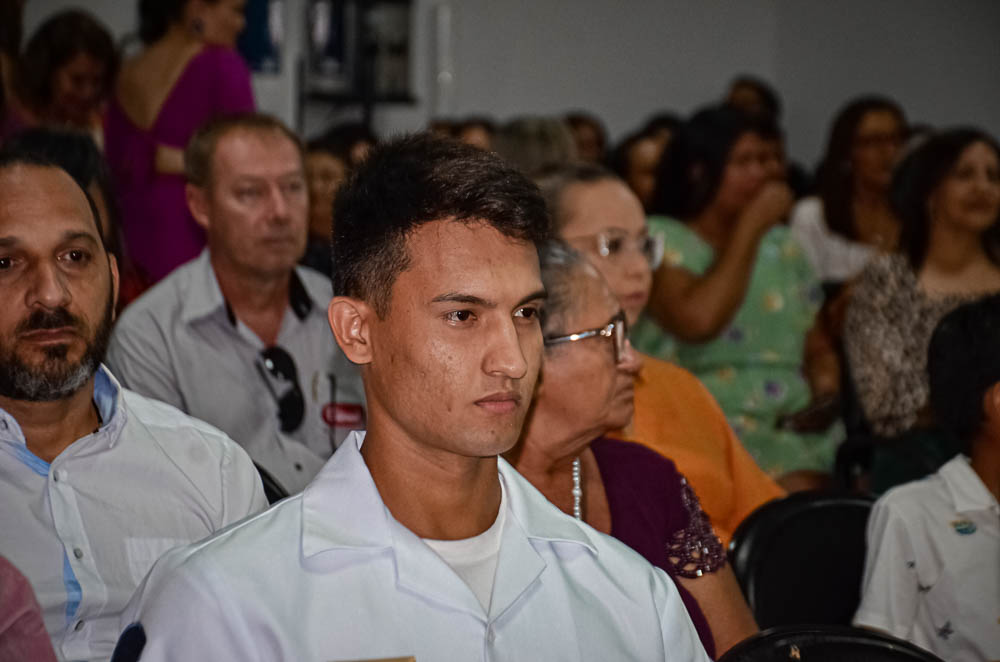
pixel 963 362
pixel 691 169
pixel 916 178
pixel 57 41
pixel 409 181
pixel 834 179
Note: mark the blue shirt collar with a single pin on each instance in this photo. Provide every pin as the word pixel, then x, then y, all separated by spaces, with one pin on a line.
pixel 107 399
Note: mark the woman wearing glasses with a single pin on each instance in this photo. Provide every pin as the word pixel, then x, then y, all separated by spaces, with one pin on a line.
pixel 735 297
pixel 675 415
pixel 618 487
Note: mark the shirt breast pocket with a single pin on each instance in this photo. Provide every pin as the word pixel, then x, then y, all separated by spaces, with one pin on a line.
pixel 142 553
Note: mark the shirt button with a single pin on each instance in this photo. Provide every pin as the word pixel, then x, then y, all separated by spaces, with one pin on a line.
pixel 77 552
pixel 78 626
pixel 298 466
pixel 491 635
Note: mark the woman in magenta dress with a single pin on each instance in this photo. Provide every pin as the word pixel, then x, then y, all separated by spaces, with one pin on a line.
pixel 187 74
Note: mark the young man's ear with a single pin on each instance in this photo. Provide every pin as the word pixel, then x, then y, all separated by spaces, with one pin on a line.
pixel 350 321
pixel 197 202
pixel 991 406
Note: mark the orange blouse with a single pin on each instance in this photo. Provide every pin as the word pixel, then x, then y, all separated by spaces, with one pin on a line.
pixel 676 416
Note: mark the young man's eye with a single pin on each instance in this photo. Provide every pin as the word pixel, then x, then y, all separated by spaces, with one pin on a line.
pixel 527 312
pixel 459 316
pixel 6 263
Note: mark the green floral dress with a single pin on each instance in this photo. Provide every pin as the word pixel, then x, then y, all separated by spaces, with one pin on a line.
pixel 754 367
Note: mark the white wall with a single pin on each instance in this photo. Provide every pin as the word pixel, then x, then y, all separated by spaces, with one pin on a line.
pixel 624 60
pixel 940 60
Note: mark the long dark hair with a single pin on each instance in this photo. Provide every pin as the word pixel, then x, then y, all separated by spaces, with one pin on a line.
pixel 834 178
pixel 692 166
pixel 156 17
pixel 10 37
pixel 916 179
pixel 55 43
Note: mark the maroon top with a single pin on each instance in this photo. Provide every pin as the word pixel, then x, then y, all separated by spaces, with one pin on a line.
pixel 160 233
pixel 655 512
pixel 22 630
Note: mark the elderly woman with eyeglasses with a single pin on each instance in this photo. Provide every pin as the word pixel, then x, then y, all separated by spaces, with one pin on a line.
pixel 620 488
pixel 675 415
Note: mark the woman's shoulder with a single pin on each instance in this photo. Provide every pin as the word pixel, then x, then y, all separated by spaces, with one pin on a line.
pixel 668 226
pixel 632 461
pixel 887 272
pixel 683 247
pixel 219 58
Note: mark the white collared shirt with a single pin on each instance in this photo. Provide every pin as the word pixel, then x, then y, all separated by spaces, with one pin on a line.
pixel 932 574
pixel 331 575
pixel 180 343
pixel 86 528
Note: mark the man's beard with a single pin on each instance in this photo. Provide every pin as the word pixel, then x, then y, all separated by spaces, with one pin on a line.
pixel 55 378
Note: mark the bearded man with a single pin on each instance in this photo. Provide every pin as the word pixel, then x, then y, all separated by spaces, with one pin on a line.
pixel 96 481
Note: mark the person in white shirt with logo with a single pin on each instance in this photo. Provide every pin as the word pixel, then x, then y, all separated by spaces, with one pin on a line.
pixel 96 482
pixel 416 539
pixel 931 575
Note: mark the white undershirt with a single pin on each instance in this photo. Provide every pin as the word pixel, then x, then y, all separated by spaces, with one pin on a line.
pixel 475 559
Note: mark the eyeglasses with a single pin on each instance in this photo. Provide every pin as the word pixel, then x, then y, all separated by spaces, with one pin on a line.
pixel 612 245
pixel 277 367
pixel 616 329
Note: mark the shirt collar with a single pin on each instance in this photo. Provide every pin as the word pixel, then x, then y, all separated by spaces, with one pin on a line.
pixel 342 509
pixel 107 399
pixel 968 492
pixel 204 296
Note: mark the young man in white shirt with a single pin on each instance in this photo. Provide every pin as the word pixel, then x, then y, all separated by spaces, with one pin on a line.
pixel 932 576
pixel 96 482
pixel 416 539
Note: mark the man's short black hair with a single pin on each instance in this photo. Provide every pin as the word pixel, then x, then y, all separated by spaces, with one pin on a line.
pixel 963 362
pixel 14 155
pixel 409 181
pixel 77 154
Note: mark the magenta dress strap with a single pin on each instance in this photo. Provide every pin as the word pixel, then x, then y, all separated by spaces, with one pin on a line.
pixel 160 233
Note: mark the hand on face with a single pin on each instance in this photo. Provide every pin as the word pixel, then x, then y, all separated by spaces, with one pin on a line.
pixel 769 207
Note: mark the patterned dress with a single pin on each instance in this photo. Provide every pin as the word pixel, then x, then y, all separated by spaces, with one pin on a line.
pixel 887 331
pixel 754 366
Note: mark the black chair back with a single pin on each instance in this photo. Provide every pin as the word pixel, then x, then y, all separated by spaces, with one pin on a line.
pixel 799 560
pixel 825 643
pixel 273 490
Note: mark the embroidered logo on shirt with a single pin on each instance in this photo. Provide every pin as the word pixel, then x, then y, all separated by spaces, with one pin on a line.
pixel 945 630
pixel 964 527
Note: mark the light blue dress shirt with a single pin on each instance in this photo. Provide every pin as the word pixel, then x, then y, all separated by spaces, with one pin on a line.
pixel 86 528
